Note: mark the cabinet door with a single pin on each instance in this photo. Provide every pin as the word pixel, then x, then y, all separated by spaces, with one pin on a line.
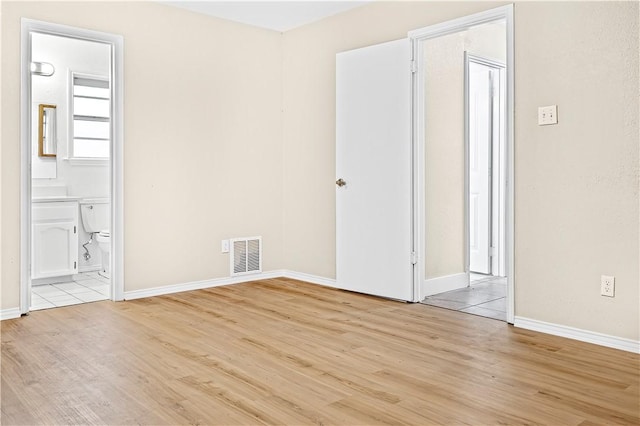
pixel 55 249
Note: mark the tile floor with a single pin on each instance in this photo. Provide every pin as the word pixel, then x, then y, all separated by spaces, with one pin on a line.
pixel 85 287
pixel 486 297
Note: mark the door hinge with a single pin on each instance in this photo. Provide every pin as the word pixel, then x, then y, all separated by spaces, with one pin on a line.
pixel 75 265
pixel 492 251
pixel 74 229
pixel 414 258
pixel 414 66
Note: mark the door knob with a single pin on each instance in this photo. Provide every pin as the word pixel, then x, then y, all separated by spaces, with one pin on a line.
pixel 340 182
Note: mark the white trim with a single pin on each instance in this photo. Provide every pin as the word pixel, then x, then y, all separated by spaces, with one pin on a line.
pixel 455 25
pixel 444 28
pixel 10 313
pixel 87 161
pixel 578 334
pixel 199 285
pixel 217 282
pixel 509 229
pixel 417 172
pixel 25 168
pixel 442 284
pixel 313 279
pixel 29 26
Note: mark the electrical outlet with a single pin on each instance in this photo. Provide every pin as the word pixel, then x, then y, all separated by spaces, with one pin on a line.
pixel 225 246
pixel 607 285
pixel 548 115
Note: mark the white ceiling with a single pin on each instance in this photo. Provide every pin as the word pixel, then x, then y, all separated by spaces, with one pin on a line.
pixel 274 15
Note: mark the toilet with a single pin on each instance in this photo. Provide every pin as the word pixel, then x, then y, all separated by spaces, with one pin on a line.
pixel 96 220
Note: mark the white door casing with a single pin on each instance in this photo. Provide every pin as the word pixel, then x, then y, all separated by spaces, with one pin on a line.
pixel 417 37
pixel 373 158
pixel 29 26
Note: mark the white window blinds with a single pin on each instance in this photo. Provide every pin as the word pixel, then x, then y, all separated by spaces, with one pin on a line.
pixel 91 117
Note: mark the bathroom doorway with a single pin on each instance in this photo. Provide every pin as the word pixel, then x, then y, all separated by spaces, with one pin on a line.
pixel 71 222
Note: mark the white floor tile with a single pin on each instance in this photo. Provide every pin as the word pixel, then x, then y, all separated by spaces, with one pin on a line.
pixel 62 300
pixel 104 289
pixel 104 280
pixel 47 290
pixel 93 274
pixel 71 287
pixel 91 283
pixel 90 296
pixel 41 305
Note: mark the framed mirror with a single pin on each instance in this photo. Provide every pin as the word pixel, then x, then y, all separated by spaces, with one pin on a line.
pixel 47 144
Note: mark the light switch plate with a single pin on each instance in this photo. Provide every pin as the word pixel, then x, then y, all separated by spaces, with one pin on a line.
pixel 548 115
pixel 225 246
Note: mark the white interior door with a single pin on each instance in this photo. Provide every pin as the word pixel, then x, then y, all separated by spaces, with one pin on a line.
pixel 373 159
pixel 480 111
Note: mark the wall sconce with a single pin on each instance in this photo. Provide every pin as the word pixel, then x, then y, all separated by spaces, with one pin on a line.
pixel 42 68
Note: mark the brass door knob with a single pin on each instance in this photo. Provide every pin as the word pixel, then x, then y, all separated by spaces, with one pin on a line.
pixel 340 182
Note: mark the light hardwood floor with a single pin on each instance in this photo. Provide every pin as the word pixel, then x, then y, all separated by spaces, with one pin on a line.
pixel 285 352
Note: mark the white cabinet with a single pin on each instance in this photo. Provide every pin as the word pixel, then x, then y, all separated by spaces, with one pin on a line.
pixel 54 239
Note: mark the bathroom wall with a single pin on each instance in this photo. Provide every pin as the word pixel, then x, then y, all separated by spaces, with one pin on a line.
pixel 202 146
pixel 66 55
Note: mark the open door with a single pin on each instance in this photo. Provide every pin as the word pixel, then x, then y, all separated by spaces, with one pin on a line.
pixel 485 165
pixel 373 168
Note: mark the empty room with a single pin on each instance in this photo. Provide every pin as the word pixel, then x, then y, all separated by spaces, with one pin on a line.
pixel 308 212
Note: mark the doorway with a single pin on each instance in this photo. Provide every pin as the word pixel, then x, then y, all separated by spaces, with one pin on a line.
pixel 484 111
pixel 71 180
pixel 463 133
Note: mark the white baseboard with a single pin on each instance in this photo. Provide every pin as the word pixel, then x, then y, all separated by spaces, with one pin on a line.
pixel 442 284
pixel 89 268
pixel 10 313
pixel 578 334
pixel 199 285
pixel 51 280
pixel 313 279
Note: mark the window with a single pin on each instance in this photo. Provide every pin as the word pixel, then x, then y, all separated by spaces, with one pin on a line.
pixel 91 118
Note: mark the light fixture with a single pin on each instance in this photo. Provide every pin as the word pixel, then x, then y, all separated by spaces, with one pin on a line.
pixel 42 68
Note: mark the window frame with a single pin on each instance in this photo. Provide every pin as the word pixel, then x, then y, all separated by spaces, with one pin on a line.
pixel 71 157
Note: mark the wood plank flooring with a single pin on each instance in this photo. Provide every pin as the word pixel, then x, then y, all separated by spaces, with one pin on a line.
pixel 282 351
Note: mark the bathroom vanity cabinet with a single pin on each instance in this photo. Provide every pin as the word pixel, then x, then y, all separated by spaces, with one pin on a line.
pixel 54 234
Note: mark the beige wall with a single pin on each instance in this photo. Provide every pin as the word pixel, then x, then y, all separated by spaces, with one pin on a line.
pixel 203 138
pixel 575 219
pixel 577 182
pixel 200 97
pixel 444 249
pixel 309 105
pixel 443 61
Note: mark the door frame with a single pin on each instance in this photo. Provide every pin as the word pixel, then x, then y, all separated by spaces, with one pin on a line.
pixel 418 144
pixel 29 26
pixel 496 210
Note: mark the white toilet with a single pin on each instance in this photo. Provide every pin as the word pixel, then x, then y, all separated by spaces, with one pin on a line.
pixel 96 220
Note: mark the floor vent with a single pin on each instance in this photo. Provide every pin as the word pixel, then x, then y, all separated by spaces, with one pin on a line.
pixel 246 256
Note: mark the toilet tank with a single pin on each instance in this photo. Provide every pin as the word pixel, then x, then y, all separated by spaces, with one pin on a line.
pixel 95 213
